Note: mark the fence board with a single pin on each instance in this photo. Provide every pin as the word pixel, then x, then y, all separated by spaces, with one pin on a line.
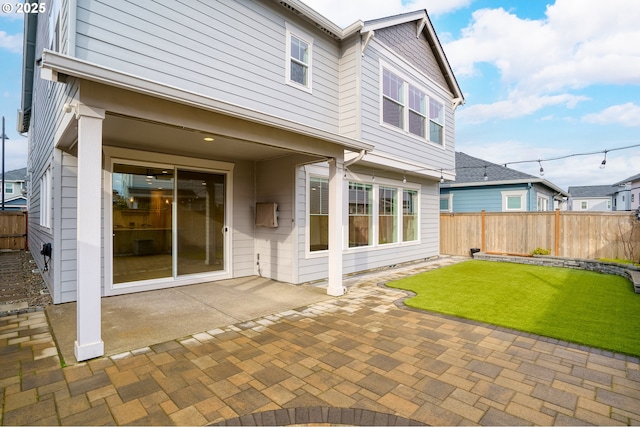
pixel 582 234
pixel 13 230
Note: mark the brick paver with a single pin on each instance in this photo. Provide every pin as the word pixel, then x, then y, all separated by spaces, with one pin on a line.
pixel 361 359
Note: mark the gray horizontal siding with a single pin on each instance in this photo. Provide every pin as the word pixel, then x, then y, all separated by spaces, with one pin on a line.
pixel 233 51
pixel 243 199
pixel 46 117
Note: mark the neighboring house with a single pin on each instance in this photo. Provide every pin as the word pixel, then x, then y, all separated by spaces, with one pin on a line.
pixel 15 190
pixel 174 145
pixel 481 185
pixel 593 198
pixel 633 185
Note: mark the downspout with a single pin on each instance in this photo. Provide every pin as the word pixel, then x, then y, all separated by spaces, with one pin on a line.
pixel 355 159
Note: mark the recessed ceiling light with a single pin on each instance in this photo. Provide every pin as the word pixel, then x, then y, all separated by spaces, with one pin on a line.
pixel 208 138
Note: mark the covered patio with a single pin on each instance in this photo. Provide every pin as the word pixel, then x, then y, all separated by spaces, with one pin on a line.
pixel 142 319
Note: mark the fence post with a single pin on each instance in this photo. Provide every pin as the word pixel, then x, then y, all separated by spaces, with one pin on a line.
pixel 483 228
pixel 557 236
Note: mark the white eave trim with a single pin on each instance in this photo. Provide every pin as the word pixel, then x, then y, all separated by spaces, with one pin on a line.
pixel 389 161
pixel 53 63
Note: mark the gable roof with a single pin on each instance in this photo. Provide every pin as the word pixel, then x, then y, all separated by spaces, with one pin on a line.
pixel 635 177
pixel 592 190
pixel 470 172
pixel 423 25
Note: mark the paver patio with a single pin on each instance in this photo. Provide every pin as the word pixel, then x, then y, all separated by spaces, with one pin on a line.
pixel 357 359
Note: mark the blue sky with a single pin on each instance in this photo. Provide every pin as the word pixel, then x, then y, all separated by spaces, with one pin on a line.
pixel 541 78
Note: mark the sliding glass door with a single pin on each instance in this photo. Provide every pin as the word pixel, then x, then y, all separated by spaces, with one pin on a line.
pixel 200 221
pixel 167 222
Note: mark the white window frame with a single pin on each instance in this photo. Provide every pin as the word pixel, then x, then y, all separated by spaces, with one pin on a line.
pixel 584 205
pixel 292 31
pixel 542 202
pixel 514 193
pixel 406 110
pixel 8 188
pixel 45 199
pixel 449 199
pixel 320 172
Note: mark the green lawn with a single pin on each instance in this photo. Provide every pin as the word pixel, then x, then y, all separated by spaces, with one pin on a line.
pixel 585 307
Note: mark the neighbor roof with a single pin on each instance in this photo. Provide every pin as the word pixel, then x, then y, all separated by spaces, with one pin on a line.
pixel 16 175
pixel 592 190
pixel 470 172
pixel 630 179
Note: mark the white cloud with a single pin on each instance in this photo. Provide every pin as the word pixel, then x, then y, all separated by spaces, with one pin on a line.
pixel 580 43
pixel 11 42
pixel 626 114
pixel 517 105
pixel 344 13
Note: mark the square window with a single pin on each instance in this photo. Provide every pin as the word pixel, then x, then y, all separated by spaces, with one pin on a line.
pixel 514 202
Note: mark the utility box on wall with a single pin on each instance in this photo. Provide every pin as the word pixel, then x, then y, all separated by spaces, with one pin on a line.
pixel 267 215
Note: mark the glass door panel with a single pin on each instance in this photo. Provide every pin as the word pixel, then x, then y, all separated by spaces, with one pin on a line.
pixel 142 223
pixel 200 222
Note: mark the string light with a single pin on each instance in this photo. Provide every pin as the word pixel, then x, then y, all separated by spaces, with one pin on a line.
pixel 604 161
pixel 539 161
pixel 404 177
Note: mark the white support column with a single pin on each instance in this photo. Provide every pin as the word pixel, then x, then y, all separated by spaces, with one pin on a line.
pixel 336 209
pixel 89 342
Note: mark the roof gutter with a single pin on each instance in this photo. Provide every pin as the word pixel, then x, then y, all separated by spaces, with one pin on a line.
pixel 54 66
pixel 506 182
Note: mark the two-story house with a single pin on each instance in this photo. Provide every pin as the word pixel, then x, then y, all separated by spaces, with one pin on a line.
pixel 631 188
pixel 14 198
pixel 172 145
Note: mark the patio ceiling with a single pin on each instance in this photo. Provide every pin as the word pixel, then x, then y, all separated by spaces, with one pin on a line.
pixel 133 133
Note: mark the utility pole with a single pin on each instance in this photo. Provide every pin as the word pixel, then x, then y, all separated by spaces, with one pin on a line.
pixel 3 138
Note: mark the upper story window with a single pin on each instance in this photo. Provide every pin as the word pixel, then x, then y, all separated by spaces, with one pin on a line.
pixel 8 188
pixel 54 26
pixel 299 58
pixel 407 107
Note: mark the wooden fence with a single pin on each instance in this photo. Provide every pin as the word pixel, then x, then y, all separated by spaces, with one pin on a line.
pixel 572 234
pixel 13 230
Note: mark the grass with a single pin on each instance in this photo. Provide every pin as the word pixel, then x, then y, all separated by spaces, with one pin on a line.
pixel 598 310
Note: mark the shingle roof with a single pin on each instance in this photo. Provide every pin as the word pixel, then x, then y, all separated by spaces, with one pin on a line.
pixel 15 175
pixel 635 177
pixel 472 169
pixel 592 190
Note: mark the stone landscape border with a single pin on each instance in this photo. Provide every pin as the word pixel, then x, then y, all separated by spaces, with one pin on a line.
pixel 627 271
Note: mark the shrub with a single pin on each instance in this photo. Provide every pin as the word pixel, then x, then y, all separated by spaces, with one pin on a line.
pixel 540 251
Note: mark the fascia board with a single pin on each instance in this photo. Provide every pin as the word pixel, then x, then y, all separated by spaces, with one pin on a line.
pixel 62 64
pixel 506 182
